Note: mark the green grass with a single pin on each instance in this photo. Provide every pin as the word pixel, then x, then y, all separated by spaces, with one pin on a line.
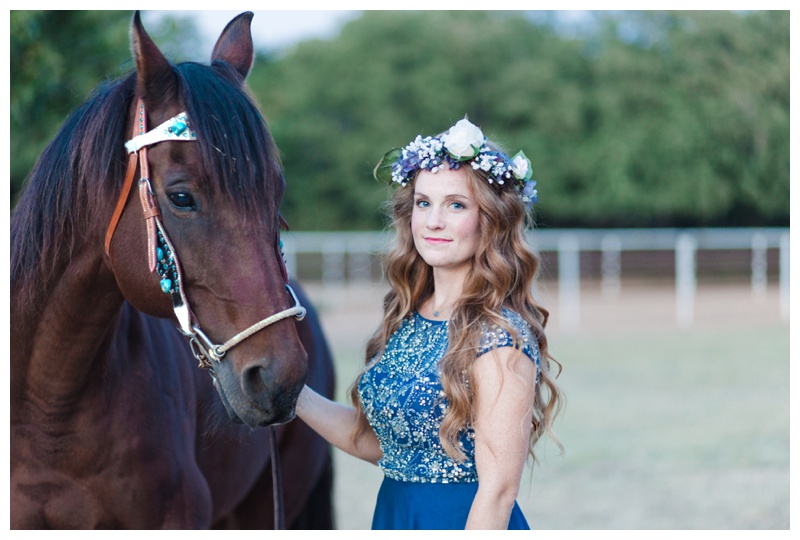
pixel 682 430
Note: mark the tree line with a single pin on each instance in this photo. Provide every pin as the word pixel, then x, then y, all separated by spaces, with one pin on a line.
pixel 649 119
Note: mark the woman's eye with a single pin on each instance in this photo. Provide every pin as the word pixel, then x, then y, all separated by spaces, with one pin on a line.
pixel 458 205
pixel 181 200
pixel 423 204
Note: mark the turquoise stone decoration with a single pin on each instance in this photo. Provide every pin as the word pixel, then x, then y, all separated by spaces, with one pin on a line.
pixel 178 127
pixel 165 266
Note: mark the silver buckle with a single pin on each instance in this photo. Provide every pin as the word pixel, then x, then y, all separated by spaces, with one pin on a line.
pixel 203 349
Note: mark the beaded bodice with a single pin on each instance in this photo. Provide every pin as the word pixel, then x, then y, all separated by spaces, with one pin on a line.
pixel 403 399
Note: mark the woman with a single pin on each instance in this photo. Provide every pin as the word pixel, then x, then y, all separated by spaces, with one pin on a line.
pixel 457 386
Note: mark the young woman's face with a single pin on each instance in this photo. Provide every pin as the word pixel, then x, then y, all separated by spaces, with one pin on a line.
pixel 445 219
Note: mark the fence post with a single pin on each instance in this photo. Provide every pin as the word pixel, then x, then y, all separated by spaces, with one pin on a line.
pixel 611 265
pixel 569 279
pixel 758 266
pixel 784 277
pixel 358 260
pixel 685 279
pixel 333 262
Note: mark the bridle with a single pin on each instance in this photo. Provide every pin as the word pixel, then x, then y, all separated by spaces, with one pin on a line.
pixel 161 254
pixel 163 259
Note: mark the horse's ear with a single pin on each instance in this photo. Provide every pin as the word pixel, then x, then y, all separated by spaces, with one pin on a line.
pixel 155 79
pixel 235 44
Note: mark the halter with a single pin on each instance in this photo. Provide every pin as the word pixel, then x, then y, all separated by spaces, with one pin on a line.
pixel 161 254
pixel 162 258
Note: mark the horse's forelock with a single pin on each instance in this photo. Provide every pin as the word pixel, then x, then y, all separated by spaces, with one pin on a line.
pixel 234 143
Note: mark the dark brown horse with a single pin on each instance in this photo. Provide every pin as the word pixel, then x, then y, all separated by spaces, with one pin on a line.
pixel 112 423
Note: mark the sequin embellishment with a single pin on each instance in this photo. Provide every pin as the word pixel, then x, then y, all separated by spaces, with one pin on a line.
pixel 403 399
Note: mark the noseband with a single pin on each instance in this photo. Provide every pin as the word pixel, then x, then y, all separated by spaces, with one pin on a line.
pixel 161 254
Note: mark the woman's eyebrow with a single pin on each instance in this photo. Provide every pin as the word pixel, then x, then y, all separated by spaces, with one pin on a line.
pixel 447 196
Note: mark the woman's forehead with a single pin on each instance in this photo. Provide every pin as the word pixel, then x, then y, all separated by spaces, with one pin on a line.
pixel 444 183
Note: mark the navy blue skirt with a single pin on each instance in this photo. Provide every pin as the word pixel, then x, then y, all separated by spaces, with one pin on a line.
pixel 428 506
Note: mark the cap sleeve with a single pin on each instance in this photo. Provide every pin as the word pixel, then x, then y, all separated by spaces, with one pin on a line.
pixel 494 337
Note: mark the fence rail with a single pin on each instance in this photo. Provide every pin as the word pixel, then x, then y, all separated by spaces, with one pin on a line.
pixel 346 256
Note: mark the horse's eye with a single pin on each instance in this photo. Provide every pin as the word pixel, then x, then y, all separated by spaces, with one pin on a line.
pixel 181 200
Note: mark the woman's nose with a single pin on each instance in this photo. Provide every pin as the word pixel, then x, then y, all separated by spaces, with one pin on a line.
pixel 435 219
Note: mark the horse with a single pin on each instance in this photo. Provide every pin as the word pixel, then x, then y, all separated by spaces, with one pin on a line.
pixel 111 423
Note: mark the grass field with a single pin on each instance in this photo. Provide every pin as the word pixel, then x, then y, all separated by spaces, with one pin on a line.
pixel 663 428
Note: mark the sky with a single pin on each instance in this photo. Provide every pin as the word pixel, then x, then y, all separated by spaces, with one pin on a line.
pixel 271 29
pixel 279 29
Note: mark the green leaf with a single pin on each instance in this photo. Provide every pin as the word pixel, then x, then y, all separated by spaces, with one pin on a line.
pixel 383 170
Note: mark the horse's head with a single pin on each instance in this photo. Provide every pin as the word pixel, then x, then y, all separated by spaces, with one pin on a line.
pixel 215 196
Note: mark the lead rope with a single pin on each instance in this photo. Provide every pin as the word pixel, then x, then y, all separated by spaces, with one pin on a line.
pixel 277 482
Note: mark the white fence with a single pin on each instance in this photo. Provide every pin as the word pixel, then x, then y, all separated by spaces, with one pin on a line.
pixel 346 256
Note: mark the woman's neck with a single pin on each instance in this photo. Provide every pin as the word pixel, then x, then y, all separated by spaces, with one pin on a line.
pixel 448 286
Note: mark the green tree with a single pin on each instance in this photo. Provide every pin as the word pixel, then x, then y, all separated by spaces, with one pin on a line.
pixel 655 119
pixel 691 124
pixel 335 107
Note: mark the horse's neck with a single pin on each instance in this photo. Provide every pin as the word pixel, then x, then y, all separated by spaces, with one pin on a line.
pixel 60 336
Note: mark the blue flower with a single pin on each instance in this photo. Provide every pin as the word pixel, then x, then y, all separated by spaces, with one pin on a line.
pixel 529 193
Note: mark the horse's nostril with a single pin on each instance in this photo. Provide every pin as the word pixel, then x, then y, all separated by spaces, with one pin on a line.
pixel 261 386
pixel 255 380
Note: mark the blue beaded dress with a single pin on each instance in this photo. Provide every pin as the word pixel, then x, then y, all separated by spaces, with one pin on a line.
pixel 403 399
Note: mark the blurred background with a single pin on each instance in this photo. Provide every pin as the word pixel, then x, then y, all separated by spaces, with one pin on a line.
pixel 660 143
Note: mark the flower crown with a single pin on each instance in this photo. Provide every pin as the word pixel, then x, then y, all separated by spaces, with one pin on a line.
pixel 462 143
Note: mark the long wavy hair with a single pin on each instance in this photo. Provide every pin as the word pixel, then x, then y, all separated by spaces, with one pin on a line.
pixel 502 274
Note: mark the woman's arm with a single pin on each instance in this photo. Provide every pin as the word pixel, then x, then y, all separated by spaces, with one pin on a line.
pixel 503 407
pixel 336 423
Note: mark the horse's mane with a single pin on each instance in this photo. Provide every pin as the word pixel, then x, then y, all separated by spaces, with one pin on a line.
pixel 79 175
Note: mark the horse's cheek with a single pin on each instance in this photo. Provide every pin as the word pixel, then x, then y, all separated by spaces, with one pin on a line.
pixel 135 281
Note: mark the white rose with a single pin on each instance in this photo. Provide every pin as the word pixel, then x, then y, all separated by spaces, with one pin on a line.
pixel 463 140
pixel 520 166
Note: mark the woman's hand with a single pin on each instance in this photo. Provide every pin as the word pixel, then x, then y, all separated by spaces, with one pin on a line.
pixel 337 423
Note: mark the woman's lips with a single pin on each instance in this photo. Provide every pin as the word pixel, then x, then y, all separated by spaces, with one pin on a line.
pixel 434 240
